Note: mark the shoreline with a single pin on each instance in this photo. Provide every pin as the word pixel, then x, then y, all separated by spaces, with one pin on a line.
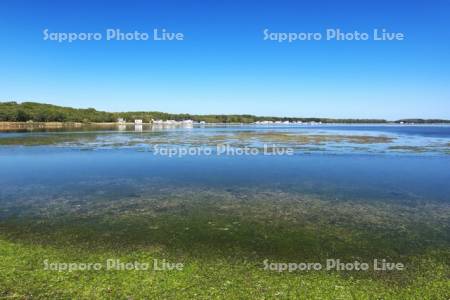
pixel 49 125
pixel 8 126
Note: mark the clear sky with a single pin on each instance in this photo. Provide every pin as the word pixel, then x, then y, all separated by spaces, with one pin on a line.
pixel 223 65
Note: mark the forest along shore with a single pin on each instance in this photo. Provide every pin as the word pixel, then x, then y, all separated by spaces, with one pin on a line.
pixel 7 126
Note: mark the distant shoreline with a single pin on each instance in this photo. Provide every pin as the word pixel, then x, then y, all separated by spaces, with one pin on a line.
pixel 51 116
pixel 6 126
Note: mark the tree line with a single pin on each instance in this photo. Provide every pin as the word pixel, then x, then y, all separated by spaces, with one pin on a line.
pixel 39 112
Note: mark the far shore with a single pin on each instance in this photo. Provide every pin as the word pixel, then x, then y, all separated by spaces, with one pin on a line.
pixel 6 126
pixel 24 125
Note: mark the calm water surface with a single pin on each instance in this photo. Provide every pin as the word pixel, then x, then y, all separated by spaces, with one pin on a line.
pixel 412 165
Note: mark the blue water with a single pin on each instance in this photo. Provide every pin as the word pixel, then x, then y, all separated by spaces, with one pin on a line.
pixel 58 171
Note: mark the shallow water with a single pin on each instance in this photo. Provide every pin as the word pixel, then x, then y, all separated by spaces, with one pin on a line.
pixel 342 193
pixel 120 162
pixel 333 139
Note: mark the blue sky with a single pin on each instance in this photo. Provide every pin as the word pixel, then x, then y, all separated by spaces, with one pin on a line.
pixel 224 65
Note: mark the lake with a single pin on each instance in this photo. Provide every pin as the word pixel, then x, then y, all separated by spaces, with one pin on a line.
pixel 280 193
pixel 342 161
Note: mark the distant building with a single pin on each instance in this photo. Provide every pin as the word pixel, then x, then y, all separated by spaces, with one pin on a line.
pixel 138 121
pixel 121 120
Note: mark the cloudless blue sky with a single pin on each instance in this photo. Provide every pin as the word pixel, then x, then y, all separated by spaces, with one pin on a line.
pixel 224 65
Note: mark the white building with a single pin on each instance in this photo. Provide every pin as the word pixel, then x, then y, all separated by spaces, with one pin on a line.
pixel 138 121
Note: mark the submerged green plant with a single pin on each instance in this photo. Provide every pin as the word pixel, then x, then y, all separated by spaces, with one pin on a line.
pixel 222 237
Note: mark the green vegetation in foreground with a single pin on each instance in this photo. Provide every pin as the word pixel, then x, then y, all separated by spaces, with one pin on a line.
pixel 222 237
pixel 38 112
pixel 23 277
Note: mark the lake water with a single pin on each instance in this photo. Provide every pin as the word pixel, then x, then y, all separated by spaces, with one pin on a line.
pixel 342 162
